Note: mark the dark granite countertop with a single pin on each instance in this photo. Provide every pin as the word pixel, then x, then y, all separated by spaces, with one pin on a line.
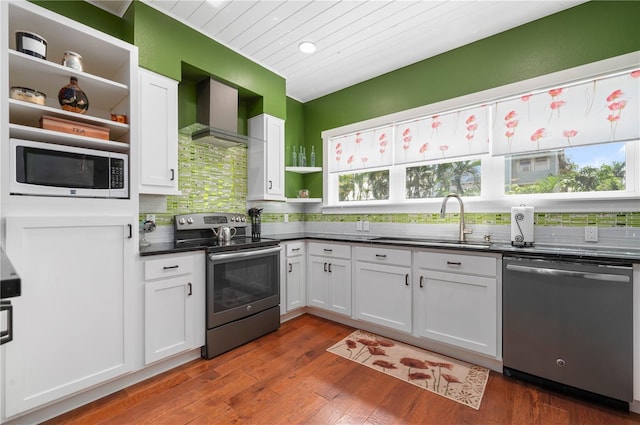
pixel 546 250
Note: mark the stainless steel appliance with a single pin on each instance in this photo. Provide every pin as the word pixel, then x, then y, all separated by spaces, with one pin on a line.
pixel 243 279
pixel 568 324
pixel 56 170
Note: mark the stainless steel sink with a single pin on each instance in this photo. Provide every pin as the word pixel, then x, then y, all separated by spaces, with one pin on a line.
pixel 430 242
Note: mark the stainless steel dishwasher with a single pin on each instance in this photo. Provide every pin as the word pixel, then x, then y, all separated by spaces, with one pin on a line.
pixel 569 324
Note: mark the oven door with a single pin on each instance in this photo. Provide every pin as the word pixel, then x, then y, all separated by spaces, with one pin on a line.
pixel 242 283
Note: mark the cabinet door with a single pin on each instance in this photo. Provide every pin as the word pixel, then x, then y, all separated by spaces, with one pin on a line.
pixel 458 309
pixel 295 283
pixel 169 318
pixel 158 134
pixel 383 295
pixel 265 160
pixel 318 282
pixel 73 322
pixel 275 156
pixel 339 272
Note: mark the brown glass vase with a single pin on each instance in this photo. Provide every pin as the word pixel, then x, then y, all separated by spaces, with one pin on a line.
pixel 72 98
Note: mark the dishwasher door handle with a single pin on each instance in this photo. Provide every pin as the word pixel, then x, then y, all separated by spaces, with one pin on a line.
pixel 569 273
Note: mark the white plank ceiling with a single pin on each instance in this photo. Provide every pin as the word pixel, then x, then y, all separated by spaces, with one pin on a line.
pixel 356 39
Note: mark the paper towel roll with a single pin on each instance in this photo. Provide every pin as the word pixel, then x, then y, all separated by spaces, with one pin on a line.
pixel 522 225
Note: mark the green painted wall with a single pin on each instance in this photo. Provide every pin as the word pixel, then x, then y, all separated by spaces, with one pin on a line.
pixel 294 136
pixel 165 45
pixel 168 47
pixel 586 33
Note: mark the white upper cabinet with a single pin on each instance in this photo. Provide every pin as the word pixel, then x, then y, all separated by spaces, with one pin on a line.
pixel 158 134
pixel 265 160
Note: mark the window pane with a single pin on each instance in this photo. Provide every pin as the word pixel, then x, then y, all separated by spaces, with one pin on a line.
pixel 435 181
pixel 370 186
pixel 593 168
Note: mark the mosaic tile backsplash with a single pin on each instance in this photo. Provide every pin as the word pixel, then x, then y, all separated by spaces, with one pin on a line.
pixel 215 179
pixel 211 178
pixel 617 219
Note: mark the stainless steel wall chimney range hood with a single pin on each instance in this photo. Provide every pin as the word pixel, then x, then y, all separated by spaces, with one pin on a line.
pixel 217 111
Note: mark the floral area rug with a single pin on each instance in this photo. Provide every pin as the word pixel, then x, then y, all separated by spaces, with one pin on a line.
pixel 454 379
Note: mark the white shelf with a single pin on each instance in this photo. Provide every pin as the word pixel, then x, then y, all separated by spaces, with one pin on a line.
pixel 17 131
pixel 304 200
pixel 49 77
pixel 303 170
pixel 29 114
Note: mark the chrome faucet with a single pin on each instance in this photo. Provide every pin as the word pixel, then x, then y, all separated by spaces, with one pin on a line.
pixel 462 234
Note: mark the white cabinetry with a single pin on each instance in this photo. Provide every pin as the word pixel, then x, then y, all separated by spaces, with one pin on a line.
pixel 329 277
pixel 295 289
pixel 456 299
pixel 158 134
pixel 383 287
pixel 73 322
pixel 174 304
pixel 109 79
pixel 265 159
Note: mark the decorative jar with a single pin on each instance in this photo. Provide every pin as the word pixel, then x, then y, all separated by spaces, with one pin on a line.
pixel 72 60
pixel 72 98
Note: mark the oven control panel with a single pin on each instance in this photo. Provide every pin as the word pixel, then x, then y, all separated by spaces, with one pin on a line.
pixel 209 220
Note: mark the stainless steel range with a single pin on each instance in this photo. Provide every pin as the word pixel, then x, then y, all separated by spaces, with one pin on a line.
pixel 242 278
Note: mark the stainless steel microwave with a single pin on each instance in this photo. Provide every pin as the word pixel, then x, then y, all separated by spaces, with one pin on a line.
pixel 56 170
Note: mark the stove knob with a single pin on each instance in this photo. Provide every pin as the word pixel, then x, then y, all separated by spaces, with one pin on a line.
pixel 190 220
pixel 182 221
pixel 233 218
pixel 243 219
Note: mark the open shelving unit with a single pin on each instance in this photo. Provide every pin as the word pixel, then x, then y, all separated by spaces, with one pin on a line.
pixel 304 170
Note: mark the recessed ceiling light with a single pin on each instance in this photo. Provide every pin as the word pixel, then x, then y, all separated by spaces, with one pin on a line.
pixel 307 47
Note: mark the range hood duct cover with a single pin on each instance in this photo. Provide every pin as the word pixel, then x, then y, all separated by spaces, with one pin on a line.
pixel 217 114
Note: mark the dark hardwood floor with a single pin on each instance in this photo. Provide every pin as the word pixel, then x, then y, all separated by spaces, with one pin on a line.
pixel 288 377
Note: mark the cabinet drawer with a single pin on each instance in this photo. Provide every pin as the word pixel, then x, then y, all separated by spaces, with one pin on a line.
pixel 330 250
pixel 453 262
pixel 295 248
pixel 167 267
pixel 383 256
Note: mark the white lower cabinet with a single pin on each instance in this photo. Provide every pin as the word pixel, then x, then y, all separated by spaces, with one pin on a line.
pixel 73 322
pixel 329 277
pixel 383 287
pixel 174 304
pixel 456 300
pixel 295 271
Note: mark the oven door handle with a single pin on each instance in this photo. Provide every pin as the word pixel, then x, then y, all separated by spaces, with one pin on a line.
pixel 243 254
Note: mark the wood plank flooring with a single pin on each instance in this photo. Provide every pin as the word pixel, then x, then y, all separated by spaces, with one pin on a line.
pixel 288 377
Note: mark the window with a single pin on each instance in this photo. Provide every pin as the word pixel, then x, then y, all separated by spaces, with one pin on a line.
pixel 435 181
pixel 593 168
pixel 366 186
